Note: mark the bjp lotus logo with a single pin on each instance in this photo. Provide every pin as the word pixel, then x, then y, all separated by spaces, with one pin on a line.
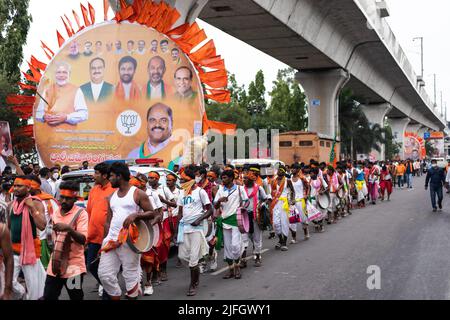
pixel 129 123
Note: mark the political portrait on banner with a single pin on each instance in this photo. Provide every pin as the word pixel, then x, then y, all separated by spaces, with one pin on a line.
pixel 117 91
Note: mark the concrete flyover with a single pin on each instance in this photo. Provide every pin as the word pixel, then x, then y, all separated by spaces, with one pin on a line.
pixel 346 41
pixel 335 44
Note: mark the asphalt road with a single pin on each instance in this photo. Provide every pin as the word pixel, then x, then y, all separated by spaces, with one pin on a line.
pixel 407 241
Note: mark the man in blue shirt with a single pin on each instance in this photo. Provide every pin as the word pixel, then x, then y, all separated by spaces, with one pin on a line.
pixel 436 180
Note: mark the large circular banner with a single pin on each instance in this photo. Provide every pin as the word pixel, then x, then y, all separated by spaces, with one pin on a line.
pixel 117 91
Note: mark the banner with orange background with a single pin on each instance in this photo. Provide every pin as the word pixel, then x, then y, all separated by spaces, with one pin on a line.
pixel 117 91
pixel 414 146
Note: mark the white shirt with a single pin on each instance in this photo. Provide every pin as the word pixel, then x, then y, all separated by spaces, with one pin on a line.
pixel 55 207
pixel 127 89
pixel 96 89
pixel 80 114
pixel 260 196
pixel 166 194
pixel 156 91
pixel 192 206
pixel 154 199
pixel 447 179
pixel 53 185
pixel 230 207
pixel 176 195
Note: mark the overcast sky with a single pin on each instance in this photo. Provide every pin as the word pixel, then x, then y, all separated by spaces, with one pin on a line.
pixel 409 19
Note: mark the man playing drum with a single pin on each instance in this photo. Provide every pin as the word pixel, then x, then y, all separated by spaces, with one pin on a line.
pixel 193 208
pixel 317 188
pixel 127 205
pixel 71 221
pixel 257 196
pixel 229 199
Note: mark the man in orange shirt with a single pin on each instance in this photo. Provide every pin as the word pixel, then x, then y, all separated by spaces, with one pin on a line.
pixel 400 172
pixel 71 221
pixel 97 209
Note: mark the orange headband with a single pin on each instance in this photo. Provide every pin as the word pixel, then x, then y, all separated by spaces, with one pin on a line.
pixel 22 182
pixel 69 193
pixel 34 185
pixel 135 182
pixel 185 177
pixel 154 175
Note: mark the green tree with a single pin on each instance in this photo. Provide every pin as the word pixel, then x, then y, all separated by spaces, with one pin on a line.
pixel 14 25
pixel 288 110
pixel 256 103
pixel 392 147
pixel 357 134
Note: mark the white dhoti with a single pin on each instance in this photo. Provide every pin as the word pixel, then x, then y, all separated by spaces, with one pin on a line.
pixel 255 238
pixel 34 279
pixel 232 242
pixel 361 187
pixel 280 219
pixel 193 248
pixel 324 212
pixel 109 268
pixel 300 205
pixel 333 201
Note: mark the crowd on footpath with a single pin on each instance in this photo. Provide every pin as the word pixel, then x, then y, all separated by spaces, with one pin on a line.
pixel 48 243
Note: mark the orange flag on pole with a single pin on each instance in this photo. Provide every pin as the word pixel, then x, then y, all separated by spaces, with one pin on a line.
pixel 85 13
pixel 77 19
pixel 47 50
pixel 37 64
pixel 222 96
pixel 69 32
pixel 70 24
pixel 205 52
pixel 91 13
pixel 30 77
pixel 61 40
pixel 36 74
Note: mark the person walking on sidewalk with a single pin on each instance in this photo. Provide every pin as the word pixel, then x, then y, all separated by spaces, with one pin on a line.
pixel 436 180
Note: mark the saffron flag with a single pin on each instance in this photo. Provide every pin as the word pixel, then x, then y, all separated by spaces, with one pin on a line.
pixel 68 30
pixel 85 13
pixel 61 40
pixel 91 13
pixel 37 64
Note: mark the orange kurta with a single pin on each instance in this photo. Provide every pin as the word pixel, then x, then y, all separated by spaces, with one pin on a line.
pixel 61 99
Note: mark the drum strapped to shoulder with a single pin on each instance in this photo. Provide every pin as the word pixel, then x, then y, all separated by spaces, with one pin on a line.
pixel 148 237
pixel 324 200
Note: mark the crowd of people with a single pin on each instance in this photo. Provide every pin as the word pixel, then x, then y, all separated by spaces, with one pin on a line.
pixel 49 243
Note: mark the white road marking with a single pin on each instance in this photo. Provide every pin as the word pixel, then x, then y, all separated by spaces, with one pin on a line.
pixel 246 259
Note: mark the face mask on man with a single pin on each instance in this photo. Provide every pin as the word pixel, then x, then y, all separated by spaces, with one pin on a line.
pixel 56 176
pixel 434 165
pixel 198 179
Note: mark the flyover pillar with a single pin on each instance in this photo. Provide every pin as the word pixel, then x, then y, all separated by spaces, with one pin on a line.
pixel 415 128
pixel 322 88
pixel 398 126
pixel 376 113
